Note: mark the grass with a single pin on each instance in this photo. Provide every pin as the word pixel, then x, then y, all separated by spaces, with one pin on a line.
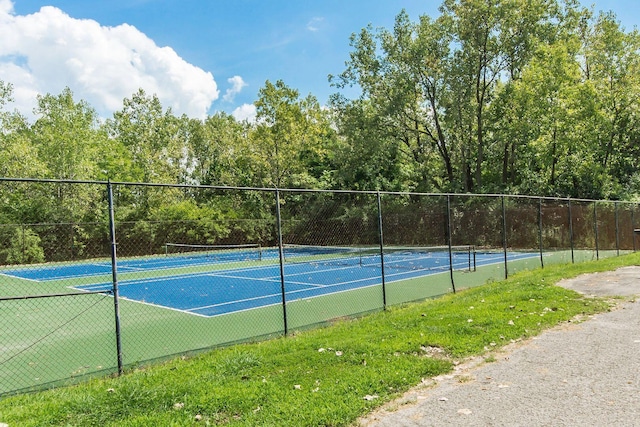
pixel 328 376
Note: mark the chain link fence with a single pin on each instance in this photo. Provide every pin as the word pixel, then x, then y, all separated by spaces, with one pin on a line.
pixel 97 277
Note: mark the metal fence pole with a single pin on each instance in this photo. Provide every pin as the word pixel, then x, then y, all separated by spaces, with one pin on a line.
pixel 381 238
pixel 114 272
pixel 71 241
pixel 281 258
pixel 453 284
pixel 24 244
pixel 615 205
pixel 504 238
pixel 633 227
pixel 540 231
pixel 595 227
pixel 571 232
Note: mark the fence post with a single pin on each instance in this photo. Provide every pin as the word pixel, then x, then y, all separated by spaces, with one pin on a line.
pixel 453 283
pixel 504 238
pixel 633 226
pixel 615 204
pixel 281 257
pixel 72 255
pixel 114 273
pixel 540 231
pixel 595 227
pixel 24 244
pixel 381 238
pixel 571 232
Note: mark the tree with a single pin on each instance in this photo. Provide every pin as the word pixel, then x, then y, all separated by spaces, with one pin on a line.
pixel 534 121
pixel 18 156
pixel 401 74
pixel 288 147
pixel 150 136
pixel 613 74
pixel 493 41
pixel 67 137
pixel 214 147
pixel 68 140
pixel 155 142
pixel 431 83
pixel 368 158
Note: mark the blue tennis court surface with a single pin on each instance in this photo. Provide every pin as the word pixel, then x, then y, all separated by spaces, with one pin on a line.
pixel 236 289
pixel 87 269
pixel 308 272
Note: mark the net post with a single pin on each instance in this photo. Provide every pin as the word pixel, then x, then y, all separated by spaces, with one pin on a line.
pixel 540 232
pixel 114 273
pixel 474 258
pixel 281 260
pixel 453 283
pixel 381 239
pixel 571 233
pixel 504 237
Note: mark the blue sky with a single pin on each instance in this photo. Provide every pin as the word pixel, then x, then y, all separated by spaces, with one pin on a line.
pixel 221 52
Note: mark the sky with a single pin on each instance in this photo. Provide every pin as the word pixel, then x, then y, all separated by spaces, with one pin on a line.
pixel 198 56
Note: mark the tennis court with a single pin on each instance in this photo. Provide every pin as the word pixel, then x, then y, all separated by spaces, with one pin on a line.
pixel 214 255
pixel 255 279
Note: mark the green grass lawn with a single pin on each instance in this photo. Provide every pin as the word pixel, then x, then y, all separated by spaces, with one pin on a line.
pixel 327 376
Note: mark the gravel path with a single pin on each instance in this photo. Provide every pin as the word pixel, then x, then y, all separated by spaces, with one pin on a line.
pixel 577 374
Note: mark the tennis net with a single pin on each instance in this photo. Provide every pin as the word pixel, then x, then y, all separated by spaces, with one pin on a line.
pixel 463 257
pixel 241 252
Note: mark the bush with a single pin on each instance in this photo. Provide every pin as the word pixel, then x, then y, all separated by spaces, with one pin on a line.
pixel 24 248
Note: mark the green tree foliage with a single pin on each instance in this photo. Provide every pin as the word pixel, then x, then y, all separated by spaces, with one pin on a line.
pixel 23 247
pixel 151 137
pixel 398 118
pixel 68 140
pixel 18 156
pixel 567 127
pixel 62 143
pixel 290 143
pixel 536 97
pixel 67 136
pixel 214 146
pixel 154 141
pixel 612 74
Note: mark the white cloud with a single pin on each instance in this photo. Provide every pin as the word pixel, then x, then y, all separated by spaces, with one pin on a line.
pixel 237 84
pixel 47 51
pixel 245 112
pixel 6 6
pixel 313 25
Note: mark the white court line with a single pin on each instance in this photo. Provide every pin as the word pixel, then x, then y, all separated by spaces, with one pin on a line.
pixel 304 290
pixel 280 294
pixel 259 279
pixel 267 279
pixel 234 302
pixel 20 278
pixel 179 310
